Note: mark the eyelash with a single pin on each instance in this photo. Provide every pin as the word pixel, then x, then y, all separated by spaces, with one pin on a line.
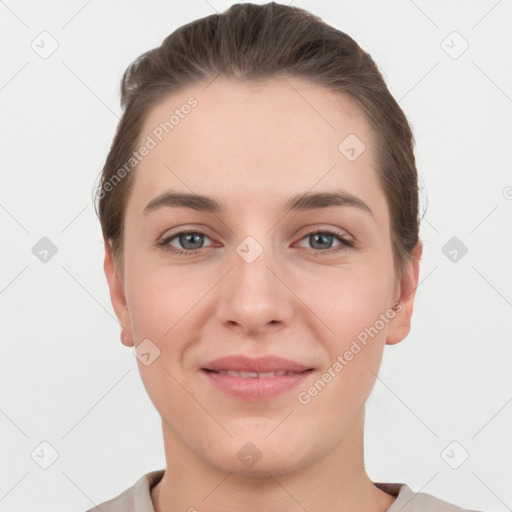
pixel 344 245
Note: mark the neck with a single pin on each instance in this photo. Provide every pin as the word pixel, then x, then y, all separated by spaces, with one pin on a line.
pixel 337 481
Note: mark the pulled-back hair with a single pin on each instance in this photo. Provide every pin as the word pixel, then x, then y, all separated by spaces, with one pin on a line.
pixel 252 42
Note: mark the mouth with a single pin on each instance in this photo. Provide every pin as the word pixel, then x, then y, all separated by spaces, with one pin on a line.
pixel 255 379
pixel 255 365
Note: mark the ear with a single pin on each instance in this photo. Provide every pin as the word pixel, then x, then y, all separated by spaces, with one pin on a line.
pixel 117 296
pixel 400 326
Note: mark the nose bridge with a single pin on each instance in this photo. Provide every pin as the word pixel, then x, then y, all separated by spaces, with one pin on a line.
pixel 252 296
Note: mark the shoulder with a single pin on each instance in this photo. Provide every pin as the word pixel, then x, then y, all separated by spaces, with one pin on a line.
pixel 409 501
pixel 136 498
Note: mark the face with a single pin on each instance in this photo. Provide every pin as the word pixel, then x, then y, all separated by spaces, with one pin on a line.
pixel 288 255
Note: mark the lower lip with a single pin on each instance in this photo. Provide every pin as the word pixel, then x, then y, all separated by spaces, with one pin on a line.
pixel 255 389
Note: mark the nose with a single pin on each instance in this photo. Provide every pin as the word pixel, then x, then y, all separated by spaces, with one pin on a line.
pixel 255 297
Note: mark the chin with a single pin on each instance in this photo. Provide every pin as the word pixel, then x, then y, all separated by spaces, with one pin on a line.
pixel 259 458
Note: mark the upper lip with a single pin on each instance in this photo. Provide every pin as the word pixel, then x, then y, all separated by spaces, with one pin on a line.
pixel 260 364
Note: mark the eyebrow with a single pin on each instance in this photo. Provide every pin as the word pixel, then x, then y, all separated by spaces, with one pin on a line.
pixel 300 202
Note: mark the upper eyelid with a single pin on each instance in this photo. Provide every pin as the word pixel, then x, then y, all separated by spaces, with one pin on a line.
pixel 321 229
pixel 203 231
pixel 184 231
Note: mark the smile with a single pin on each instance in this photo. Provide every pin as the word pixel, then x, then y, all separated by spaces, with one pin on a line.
pixel 255 386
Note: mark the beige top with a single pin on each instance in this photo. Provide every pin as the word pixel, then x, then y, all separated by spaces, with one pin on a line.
pixel 138 498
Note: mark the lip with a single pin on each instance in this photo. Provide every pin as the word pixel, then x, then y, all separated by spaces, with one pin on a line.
pixel 253 388
pixel 243 363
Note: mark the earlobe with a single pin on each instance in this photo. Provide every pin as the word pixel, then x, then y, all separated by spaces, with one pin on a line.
pixel 117 295
pixel 400 326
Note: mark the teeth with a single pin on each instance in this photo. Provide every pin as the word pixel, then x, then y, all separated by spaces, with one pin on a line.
pixel 245 375
pixel 255 375
pixel 266 375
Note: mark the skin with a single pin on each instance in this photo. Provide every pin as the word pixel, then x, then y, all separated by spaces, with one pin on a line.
pixel 252 146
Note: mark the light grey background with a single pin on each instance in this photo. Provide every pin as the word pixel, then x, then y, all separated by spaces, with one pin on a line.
pixel 67 380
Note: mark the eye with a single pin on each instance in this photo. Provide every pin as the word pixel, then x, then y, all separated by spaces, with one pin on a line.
pixel 188 242
pixel 323 239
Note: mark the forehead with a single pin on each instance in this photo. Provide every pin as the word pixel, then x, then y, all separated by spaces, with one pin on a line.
pixel 242 138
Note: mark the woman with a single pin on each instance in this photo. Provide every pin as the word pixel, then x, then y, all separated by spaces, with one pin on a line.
pixel 259 207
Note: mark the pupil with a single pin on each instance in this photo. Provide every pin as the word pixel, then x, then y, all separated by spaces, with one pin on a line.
pixel 322 238
pixel 189 238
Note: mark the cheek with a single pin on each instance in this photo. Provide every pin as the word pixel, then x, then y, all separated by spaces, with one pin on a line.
pixel 169 307
pixel 348 301
pixel 355 310
pixel 162 309
pixel 162 301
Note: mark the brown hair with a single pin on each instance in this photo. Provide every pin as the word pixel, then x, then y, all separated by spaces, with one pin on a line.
pixel 254 42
